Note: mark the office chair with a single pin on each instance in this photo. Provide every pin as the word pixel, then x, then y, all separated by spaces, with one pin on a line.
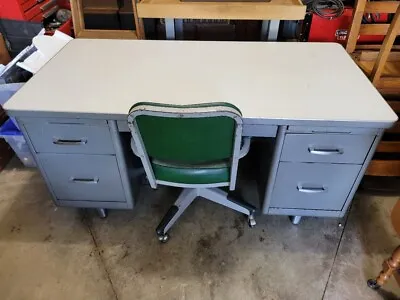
pixel 196 147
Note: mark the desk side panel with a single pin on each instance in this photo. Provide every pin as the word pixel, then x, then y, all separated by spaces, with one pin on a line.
pixel 361 173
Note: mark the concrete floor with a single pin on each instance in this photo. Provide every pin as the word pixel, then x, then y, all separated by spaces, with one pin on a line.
pixel 63 253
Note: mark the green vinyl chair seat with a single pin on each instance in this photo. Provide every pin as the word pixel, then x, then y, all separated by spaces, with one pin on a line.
pixel 191 174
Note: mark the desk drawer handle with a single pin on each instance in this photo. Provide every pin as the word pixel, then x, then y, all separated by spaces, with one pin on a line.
pixel 69 142
pixel 311 190
pixel 94 180
pixel 319 151
pixel 48 5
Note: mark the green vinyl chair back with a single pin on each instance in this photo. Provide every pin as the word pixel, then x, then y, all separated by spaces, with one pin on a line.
pixel 189 135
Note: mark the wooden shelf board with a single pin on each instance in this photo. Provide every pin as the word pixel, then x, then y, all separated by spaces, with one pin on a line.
pixel 100 10
pixel 376 47
pixel 374 29
pixel 388 147
pixel 392 68
pixel 395 105
pixel 273 10
pixel 372 55
pixel 384 168
pixel 394 129
pixel 108 34
pixel 108 8
pixel 389 83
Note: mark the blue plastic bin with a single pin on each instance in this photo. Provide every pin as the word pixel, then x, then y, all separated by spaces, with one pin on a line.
pixel 7 91
pixel 16 140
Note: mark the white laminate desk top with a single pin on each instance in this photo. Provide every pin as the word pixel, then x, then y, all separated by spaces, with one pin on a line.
pixel 286 83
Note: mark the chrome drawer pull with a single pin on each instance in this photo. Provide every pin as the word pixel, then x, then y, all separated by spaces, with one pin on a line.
pixel 317 151
pixel 311 190
pixel 69 142
pixel 85 180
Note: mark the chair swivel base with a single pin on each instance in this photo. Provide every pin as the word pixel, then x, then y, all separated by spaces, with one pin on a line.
pixel 187 197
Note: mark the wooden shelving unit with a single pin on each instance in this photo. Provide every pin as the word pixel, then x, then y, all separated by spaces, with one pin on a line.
pixel 365 55
pixel 78 10
pixel 387 158
pixel 382 65
pixel 176 9
pixel 99 10
pixel 99 6
pixel 389 82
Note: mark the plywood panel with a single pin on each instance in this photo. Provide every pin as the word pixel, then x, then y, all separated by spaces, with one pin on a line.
pixel 388 146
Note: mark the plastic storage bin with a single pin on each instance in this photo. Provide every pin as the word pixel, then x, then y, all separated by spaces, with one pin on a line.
pixel 16 140
pixel 7 91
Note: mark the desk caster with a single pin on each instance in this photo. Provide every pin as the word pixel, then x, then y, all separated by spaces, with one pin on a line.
pixel 163 238
pixel 295 220
pixel 373 284
pixel 251 221
pixel 102 212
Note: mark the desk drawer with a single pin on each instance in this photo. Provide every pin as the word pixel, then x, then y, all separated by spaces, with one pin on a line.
pixel 329 148
pixel 83 177
pixel 255 130
pixel 69 136
pixel 29 3
pixel 313 186
pixel 40 9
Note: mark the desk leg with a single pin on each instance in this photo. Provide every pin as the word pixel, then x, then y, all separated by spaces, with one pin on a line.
pixel 179 29
pixel 273 169
pixel 273 30
pixel 295 219
pixel 170 29
pixel 269 30
pixel 264 30
pixel 122 165
pixel 102 213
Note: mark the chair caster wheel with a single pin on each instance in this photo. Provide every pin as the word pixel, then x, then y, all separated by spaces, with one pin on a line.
pixel 163 238
pixel 373 284
pixel 251 221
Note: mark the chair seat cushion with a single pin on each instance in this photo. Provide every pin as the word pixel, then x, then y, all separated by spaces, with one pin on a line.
pixel 191 174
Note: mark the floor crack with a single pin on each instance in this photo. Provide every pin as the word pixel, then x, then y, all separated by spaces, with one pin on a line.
pixel 87 222
pixel 337 251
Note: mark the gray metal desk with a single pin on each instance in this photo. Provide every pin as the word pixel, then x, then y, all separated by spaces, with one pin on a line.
pixel 326 118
